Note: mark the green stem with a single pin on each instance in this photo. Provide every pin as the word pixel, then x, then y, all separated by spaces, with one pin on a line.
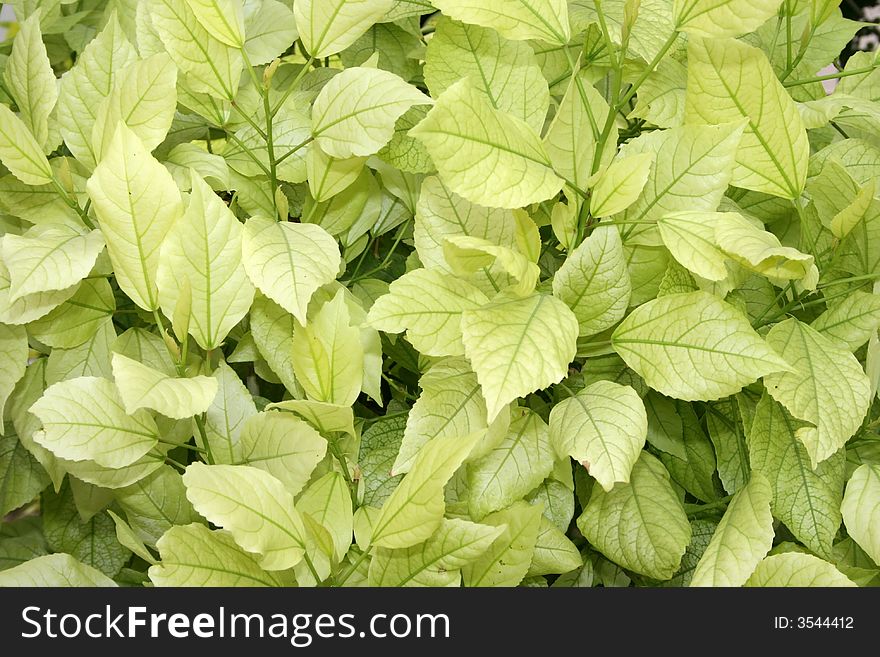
pixel 387 259
pixel 293 86
pixel 343 578
pixel 831 76
pixel 303 143
pixel 194 448
pixel 71 202
pixel 200 424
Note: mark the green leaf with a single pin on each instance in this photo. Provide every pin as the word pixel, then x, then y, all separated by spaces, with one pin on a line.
pixel 507 72
pixel 284 446
pixel 253 506
pixel 380 444
pixel 329 26
pixel 852 321
pixel 742 538
pixel 79 318
pixel 204 248
pixel 554 553
pixel 485 155
pixel 690 238
pixel 85 419
pixel 53 570
pixel 23 477
pixel 415 509
pixel 620 184
pixel 806 500
pixel 49 257
pixel 328 501
pixel 728 81
pixel 329 176
pixel 647 36
pixel 861 512
pixel 14 351
pixel 156 503
pixel 288 261
pixel 272 331
pixel 20 152
pixel 827 387
pixel 515 466
pixel 141 386
pixel 127 538
pixel 728 434
pixel 270 31
pixel 796 570
pixel 507 560
pixel 594 282
pixel 355 112
pixel 694 346
pixel 193 555
pixel 137 203
pixel 224 19
pixel 544 20
pixel 603 427
pixel 467 255
pixel 328 356
pixel 517 346
pixel 226 416
pixel 727 18
pixel 641 524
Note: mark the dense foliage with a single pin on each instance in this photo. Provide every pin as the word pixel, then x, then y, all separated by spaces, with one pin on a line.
pixel 438 292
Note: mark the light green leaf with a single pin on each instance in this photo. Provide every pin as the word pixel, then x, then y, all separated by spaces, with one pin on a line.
pixel 13 359
pixel 253 506
pixel 31 307
pixel 517 346
pixel 20 152
pixel 742 538
pixel 326 418
pixel 485 155
pixel 432 322
pixel 327 354
pixel 212 67
pixel 49 257
pixel 193 555
pixel 270 30
pixel 284 446
pixel 641 524
pixel 797 570
pixel 861 510
pixel 288 261
pixel 690 238
pixel 90 358
pixel 328 26
pixel 828 387
pixel 272 329
pixel 653 26
pixel 466 255
pixel 554 552
pixel 141 386
pixel 853 320
pixel 22 475
pixel 355 112
pixel 155 503
pixel 693 346
pixel 329 176
pixel 514 467
pixel 594 281
pixel 54 570
pixel 224 19
pixel 113 477
pixel 415 509
pixel 128 539
pixel 226 416
pixel 725 423
pixel 507 560
pixel 29 76
pixel 806 500
pixel 204 248
pixel 727 18
pixel 507 72
pixel 620 184
pixel 544 20
pixel 328 501
pixel 137 203
pixel 603 427
pixel 77 319
pixel 728 81
pixel 84 419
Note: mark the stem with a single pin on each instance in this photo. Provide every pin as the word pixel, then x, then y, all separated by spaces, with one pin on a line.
pixel 387 259
pixel 693 509
pixel 267 111
pixel 304 142
pixel 194 448
pixel 293 85
pixel 71 202
pixel 352 568
pixel 831 76
pixel 200 424
pixel 334 450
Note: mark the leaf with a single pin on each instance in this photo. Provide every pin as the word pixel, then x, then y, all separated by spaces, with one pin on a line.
pixel 14 352
pixel 284 446
pixel 603 428
pixel 501 341
pixel 415 509
pixel 861 512
pixel 20 152
pixel 224 19
pixel 193 555
pixel 329 176
pixel 253 506
pixel 288 261
pixel 544 20
pixel 827 387
pixel 554 553
pixel 507 560
pixel 84 419
pixel 204 247
pixel 328 356
pixel 806 500
pixel 690 238
pixel 620 184
pixel 141 386
pixel 156 503
pixel 796 570
pixel 467 255
pixel 507 72
pixel 594 282
pixel 79 318
pixel 53 570
pixel 329 26
pixel 227 415
pixel 728 434
pixel 694 346
pixel 469 141
pixel 49 257
pixel 728 18
pixel 137 203
pixel 272 331
pixel 380 444
pixel 432 323
pixel 853 320
pixel 355 112
pixel 23 477
pixel 129 540
pixel 516 465
pixel 742 538
pixel 641 524
pixel 728 81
